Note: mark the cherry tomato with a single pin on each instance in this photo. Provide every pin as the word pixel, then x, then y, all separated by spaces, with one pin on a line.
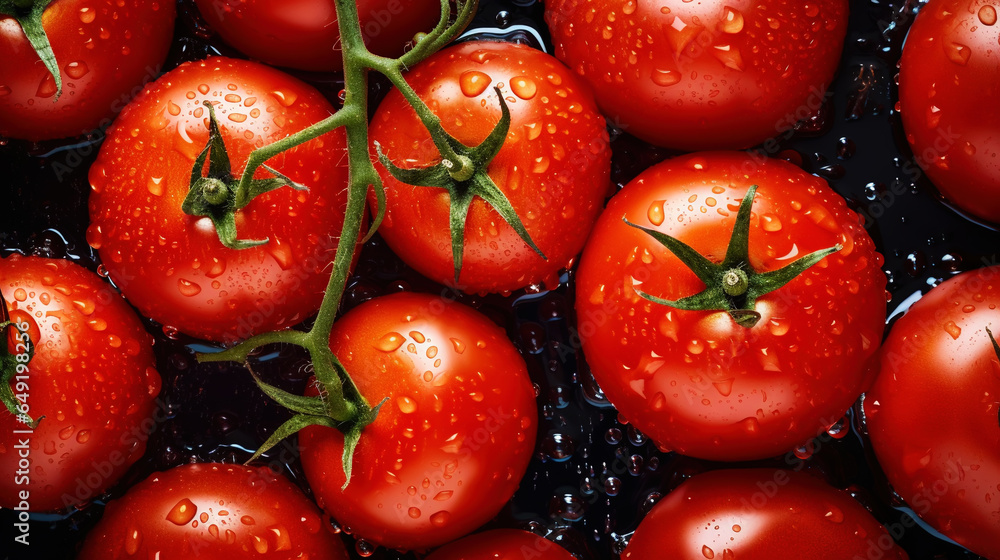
pixel 453 438
pixel 932 412
pixel 702 75
pixel 501 544
pixel 172 266
pixel 106 51
pixel 949 100
pixel 304 33
pixel 92 376
pixel 696 381
pixel 222 512
pixel 553 167
pixel 760 514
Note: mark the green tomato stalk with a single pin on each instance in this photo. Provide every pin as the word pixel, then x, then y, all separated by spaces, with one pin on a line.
pixel 28 14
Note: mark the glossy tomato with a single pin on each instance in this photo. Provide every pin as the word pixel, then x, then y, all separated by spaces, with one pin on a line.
pixel 702 75
pixel 554 165
pixel 92 377
pixel 455 434
pixel 696 381
pixel 222 512
pixel 502 544
pixel 760 514
pixel 172 266
pixel 949 97
pixel 932 412
pixel 304 33
pixel 106 51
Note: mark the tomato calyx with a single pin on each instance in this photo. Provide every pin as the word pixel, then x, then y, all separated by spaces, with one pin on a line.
pixel 732 285
pixel 28 14
pixel 464 176
pixel 12 363
pixel 218 195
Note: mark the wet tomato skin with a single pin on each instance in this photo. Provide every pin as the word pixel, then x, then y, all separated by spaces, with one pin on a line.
pixel 702 75
pixel 695 381
pixel 222 512
pixel 304 34
pixel 932 411
pixel 760 514
pixel 172 266
pixel 501 544
pixel 949 97
pixel 554 166
pixel 92 377
pixel 454 437
pixel 106 51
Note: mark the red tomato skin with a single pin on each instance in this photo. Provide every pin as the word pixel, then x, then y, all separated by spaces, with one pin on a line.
pixel 172 266
pixel 554 166
pixel 454 437
pixel 702 75
pixel 932 411
pixel 304 34
pixel 695 381
pixel 92 377
pixel 222 512
pixel 949 97
pixel 106 52
pixel 501 544
pixel 760 514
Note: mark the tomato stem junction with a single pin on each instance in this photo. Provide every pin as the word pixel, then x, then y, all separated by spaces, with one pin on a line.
pixel 28 14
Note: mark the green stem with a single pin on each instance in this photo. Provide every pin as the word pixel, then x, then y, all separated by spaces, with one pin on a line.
pixel 241 351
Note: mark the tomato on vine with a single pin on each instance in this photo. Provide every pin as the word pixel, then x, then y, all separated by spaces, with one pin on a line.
pixel 184 241
pixel 540 177
pixel 90 384
pixel 454 433
pixel 932 413
pixel 730 306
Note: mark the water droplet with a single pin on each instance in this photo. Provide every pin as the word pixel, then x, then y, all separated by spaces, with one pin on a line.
pixel 474 82
pixel 77 70
pixel 523 87
pixel 957 53
pixel 237 117
pixel 83 436
pixel 655 212
pixel 285 98
pixel 707 552
pixel 988 15
pixel 770 223
pixel 732 20
pixel 443 496
pixel 729 56
pixel 85 306
pixel 458 345
pixel 155 186
pixel 413 512
pixel 183 512
pixel 188 288
pixel 406 405
pixel 952 329
pixel 173 108
pixel 541 165
pixel 834 515
pixel 440 519
pixel 247 520
pixel 665 77
pixel 47 87
pixel 133 541
pixel 390 342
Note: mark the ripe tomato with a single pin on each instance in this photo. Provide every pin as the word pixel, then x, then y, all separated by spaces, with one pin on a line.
pixel 304 34
pixel 949 97
pixel 106 51
pixel 696 381
pixel 222 512
pixel 92 377
pixel 932 412
pixel 454 437
pixel 760 514
pixel 554 165
pixel 702 75
pixel 172 266
pixel 501 544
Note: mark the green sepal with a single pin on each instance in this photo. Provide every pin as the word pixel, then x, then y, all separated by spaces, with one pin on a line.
pixel 352 435
pixel 215 194
pixel 291 426
pixel 451 176
pixel 714 297
pixel 28 15
pixel 295 403
pixel 8 367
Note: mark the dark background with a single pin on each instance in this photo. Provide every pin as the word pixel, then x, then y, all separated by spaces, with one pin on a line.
pixel 592 478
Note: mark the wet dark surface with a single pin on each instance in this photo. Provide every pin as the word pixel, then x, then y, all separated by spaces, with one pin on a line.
pixel 593 477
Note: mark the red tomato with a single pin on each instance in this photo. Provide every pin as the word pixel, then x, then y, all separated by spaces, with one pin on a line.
pixel 106 51
pixel 554 165
pixel 222 512
pixel 949 97
pixel 932 412
pixel 695 381
pixel 502 544
pixel 760 514
pixel 702 75
pixel 172 266
pixel 92 377
pixel 304 34
pixel 454 437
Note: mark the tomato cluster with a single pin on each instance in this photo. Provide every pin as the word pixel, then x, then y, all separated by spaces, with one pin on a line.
pixel 574 333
